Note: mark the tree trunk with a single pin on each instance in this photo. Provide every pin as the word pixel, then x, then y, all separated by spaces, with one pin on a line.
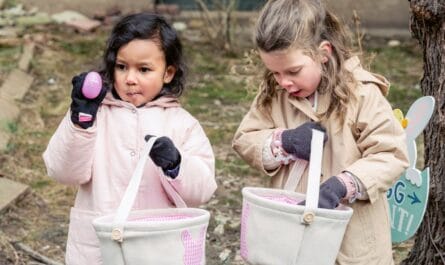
pixel 428 27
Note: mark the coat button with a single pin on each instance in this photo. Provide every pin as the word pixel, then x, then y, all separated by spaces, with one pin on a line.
pixel 132 153
pixel 133 110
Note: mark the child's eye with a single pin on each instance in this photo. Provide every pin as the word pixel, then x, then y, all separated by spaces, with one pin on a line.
pixel 144 69
pixel 120 66
pixel 294 72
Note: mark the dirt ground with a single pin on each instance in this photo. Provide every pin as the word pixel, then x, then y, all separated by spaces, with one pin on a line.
pixel 216 97
pixel 40 218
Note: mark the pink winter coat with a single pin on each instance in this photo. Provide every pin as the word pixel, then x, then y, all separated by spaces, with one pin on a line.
pixel 102 158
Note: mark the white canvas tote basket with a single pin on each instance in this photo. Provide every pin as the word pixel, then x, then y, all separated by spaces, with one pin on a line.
pixel 276 230
pixel 174 236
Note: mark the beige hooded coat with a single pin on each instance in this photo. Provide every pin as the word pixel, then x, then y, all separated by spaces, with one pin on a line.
pixel 371 145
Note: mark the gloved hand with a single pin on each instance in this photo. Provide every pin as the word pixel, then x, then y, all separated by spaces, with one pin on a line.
pixel 331 192
pixel 165 155
pixel 298 141
pixel 84 110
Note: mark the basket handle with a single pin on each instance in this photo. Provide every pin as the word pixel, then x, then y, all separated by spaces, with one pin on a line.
pixel 313 185
pixel 132 189
pixel 295 174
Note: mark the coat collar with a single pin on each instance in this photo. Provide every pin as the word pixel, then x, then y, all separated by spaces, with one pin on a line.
pixel 361 75
pixel 304 105
pixel 164 102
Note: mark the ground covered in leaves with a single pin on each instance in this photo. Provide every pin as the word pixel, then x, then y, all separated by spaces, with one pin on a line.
pixel 216 95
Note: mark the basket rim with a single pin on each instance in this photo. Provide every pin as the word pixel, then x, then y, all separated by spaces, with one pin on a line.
pixel 197 217
pixel 250 194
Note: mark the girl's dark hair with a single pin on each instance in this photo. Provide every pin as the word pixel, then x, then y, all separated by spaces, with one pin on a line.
pixel 146 26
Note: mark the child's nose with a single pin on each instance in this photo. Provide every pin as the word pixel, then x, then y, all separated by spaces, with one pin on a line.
pixel 285 83
pixel 131 77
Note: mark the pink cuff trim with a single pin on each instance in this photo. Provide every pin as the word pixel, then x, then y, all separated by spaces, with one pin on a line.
pixel 277 149
pixel 85 117
pixel 349 183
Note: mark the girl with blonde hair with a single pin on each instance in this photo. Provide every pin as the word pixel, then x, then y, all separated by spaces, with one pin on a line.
pixel 312 81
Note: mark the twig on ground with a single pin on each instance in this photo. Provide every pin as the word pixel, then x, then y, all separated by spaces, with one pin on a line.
pixel 35 255
pixel 4 240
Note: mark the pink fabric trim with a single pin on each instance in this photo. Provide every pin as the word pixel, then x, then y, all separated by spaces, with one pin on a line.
pixel 159 218
pixel 349 184
pixel 283 198
pixel 243 239
pixel 277 148
pixel 85 117
pixel 193 249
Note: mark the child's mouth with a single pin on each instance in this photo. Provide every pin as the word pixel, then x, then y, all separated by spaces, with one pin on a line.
pixel 133 94
pixel 295 94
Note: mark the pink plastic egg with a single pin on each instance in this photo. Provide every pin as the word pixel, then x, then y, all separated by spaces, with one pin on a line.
pixel 92 85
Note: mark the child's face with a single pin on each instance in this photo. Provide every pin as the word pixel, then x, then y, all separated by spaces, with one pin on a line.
pixel 296 72
pixel 141 71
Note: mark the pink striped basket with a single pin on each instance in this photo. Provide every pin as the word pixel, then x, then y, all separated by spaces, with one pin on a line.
pixel 275 229
pixel 156 236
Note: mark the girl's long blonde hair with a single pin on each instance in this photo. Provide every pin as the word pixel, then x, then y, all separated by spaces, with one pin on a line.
pixel 304 24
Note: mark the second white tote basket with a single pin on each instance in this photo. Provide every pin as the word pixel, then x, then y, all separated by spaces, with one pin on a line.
pixel 173 236
pixel 276 230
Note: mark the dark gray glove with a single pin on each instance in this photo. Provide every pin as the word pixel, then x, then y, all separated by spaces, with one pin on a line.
pixel 331 192
pixel 84 110
pixel 298 141
pixel 165 155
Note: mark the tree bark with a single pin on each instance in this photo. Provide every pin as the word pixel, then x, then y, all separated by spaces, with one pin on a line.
pixel 428 27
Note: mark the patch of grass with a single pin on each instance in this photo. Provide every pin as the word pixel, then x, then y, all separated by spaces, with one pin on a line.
pixel 235 166
pixel 9 57
pixel 10 147
pixel 9 4
pixel 203 61
pixel 40 184
pixel 402 66
pixel 12 127
pixel 402 98
pixel 216 92
pixel 84 47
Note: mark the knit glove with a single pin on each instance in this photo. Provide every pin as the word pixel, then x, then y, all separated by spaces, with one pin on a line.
pixel 331 192
pixel 298 141
pixel 84 110
pixel 165 155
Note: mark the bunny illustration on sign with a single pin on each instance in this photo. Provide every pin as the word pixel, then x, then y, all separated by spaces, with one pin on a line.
pixel 408 196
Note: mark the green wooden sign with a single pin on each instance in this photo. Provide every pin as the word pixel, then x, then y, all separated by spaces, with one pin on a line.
pixel 407 206
pixel 409 195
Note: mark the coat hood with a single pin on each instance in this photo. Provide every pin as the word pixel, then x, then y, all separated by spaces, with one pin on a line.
pixel 164 102
pixel 361 75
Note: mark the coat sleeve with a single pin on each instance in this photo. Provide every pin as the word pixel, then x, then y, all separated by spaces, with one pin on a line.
pixel 195 183
pixel 251 135
pixel 69 154
pixel 381 141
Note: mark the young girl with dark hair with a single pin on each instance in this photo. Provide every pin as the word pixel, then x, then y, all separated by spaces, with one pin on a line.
pixel 99 141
